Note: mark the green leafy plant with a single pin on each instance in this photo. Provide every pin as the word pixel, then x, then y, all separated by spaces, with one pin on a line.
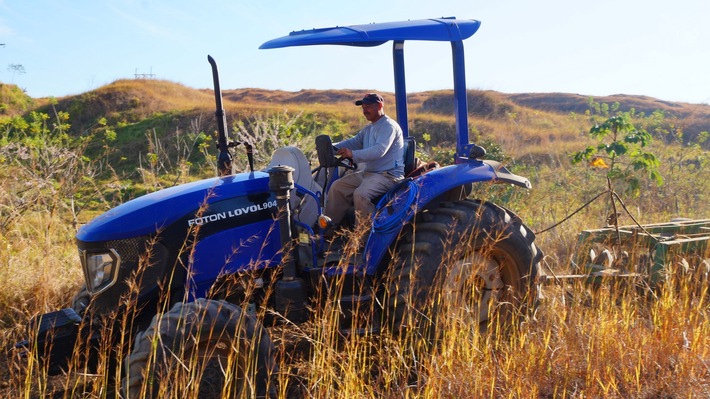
pixel 621 151
pixel 44 165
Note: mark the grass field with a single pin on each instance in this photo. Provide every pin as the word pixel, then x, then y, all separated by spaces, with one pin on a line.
pixel 612 341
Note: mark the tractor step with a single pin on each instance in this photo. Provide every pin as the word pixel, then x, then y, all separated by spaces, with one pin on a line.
pixel 353 295
pixel 356 314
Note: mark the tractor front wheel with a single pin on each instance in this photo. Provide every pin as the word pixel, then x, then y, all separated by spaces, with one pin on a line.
pixel 201 349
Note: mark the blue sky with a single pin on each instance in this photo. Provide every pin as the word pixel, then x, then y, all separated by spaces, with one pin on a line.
pixel 641 47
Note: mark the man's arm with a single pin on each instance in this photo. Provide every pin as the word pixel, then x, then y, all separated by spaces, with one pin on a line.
pixel 378 141
pixel 353 143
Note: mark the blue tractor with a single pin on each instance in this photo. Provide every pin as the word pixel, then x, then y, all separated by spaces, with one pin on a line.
pixel 212 254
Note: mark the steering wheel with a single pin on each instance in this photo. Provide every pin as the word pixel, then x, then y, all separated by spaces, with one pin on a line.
pixel 326 154
pixel 346 162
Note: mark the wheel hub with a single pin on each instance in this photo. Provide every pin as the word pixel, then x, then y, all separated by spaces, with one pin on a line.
pixel 474 284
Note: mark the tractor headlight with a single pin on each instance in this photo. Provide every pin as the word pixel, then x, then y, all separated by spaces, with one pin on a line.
pixel 100 269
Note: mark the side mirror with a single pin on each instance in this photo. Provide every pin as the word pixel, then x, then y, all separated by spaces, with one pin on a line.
pixel 477 152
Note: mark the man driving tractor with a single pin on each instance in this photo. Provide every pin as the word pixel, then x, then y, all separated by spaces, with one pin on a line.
pixel 380 146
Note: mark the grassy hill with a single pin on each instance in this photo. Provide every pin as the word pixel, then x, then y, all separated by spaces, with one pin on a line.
pixel 523 125
pixel 692 118
pixel 165 128
pixel 135 136
pixel 142 135
pixel 130 101
pixel 13 100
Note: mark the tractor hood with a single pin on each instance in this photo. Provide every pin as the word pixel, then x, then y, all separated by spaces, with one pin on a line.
pixel 151 212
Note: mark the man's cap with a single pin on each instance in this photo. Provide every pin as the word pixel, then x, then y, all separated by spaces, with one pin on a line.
pixel 371 98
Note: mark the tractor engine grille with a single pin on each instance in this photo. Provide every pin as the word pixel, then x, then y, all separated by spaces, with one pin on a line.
pixel 129 248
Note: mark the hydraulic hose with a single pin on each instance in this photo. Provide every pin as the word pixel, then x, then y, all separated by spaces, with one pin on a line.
pixel 396 207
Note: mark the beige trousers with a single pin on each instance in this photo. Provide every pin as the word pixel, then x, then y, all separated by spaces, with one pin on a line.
pixel 357 188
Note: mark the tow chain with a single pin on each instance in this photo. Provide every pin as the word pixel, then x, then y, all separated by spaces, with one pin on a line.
pixel 616 223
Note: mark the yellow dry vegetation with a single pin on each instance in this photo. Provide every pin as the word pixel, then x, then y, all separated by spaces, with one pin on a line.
pixel 616 340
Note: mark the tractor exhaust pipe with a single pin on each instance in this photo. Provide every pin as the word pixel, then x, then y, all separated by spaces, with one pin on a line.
pixel 281 184
pixel 290 291
pixel 224 159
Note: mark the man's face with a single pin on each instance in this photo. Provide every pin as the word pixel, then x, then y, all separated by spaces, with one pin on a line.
pixel 371 111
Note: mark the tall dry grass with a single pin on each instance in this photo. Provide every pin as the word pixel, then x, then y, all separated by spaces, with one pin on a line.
pixel 616 340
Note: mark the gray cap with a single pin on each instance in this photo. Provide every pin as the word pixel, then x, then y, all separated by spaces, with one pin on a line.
pixel 371 98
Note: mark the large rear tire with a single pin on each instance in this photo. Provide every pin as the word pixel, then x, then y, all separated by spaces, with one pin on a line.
pixel 201 349
pixel 468 258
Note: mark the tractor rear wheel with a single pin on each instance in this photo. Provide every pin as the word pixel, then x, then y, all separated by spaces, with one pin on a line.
pixel 201 349
pixel 468 259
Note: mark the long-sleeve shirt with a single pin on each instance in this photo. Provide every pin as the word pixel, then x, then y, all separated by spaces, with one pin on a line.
pixel 380 145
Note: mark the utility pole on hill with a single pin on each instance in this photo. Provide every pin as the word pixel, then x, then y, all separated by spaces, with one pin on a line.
pixel 144 75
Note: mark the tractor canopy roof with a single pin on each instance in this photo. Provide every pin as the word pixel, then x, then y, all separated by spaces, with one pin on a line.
pixel 375 34
pixel 449 29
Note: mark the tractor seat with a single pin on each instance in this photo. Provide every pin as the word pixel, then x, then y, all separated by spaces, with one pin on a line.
pixel 410 146
pixel 305 207
pixel 410 163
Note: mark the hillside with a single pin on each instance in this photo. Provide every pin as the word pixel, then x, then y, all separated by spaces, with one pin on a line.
pixel 693 118
pixel 129 102
pixel 13 100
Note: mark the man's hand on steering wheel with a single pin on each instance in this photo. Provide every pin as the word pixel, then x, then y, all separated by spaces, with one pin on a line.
pixel 346 154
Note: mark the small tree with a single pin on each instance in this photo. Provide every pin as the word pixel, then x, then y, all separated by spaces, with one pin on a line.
pixel 621 149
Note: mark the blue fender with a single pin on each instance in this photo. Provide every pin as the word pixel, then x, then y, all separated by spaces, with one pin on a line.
pixel 398 207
